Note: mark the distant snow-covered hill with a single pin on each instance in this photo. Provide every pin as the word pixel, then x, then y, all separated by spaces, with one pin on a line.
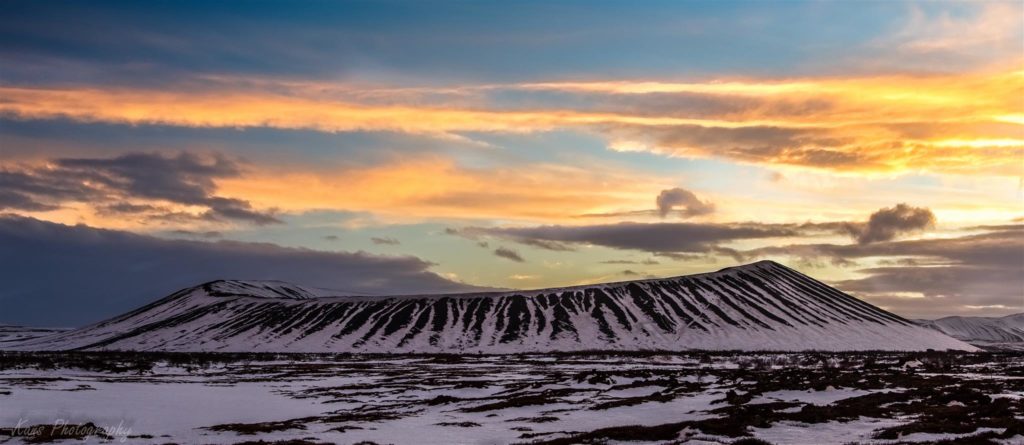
pixel 18 334
pixel 987 332
pixel 759 306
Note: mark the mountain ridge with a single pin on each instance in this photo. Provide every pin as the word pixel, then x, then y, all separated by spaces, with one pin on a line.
pixel 999 333
pixel 758 306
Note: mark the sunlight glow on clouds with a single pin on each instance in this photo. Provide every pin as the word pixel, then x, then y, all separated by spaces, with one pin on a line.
pixel 941 123
pixel 877 145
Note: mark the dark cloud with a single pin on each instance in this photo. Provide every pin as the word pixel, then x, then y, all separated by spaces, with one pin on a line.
pixel 992 228
pixel 644 262
pixel 687 203
pixel 69 275
pixel 884 224
pixel 950 275
pixel 185 178
pixel 14 200
pixel 953 289
pixel 629 273
pixel 41 189
pixel 331 237
pixel 944 290
pixel 474 233
pixel 812 262
pixel 385 241
pixel 980 273
pixel 817 147
pixel 997 247
pixel 109 183
pixel 656 237
pixel 545 244
pixel 209 234
pixel 813 147
pixel 165 215
pixel 901 262
pixel 238 209
pixel 619 214
pixel 888 223
pixel 699 105
pixel 509 254
pixel 681 256
pixel 127 207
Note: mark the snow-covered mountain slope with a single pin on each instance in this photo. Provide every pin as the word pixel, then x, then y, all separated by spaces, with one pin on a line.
pixel 17 334
pixel 759 306
pixel 988 332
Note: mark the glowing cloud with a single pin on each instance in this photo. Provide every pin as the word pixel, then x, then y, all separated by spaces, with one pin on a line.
pixel 958 123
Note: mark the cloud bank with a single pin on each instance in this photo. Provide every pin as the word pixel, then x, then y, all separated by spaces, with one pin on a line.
pixel 650 237
pixel 58 275
pixel 971 274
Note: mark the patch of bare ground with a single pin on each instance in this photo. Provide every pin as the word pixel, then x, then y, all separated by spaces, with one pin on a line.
pixel 539 419
pixel 260 427
pixel 459 424
pixel 310 441
pixel 545 397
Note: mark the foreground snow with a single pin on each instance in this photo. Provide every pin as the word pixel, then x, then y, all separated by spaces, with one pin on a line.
pixel 812 398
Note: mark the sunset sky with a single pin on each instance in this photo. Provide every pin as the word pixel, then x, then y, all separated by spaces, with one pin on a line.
pixel 418 147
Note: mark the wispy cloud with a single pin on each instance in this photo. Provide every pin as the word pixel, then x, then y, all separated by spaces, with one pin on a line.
pixel 387 241
pixel 652 237
pixel 962 123
pixel 993 25
pixel 508 254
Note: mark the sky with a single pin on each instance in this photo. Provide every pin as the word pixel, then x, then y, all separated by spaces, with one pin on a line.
pixel 418 147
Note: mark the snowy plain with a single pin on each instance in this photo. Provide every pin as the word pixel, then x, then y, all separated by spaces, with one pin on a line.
pixel 791 398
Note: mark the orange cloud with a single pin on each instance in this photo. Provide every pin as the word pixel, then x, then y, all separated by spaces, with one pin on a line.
pixel 409 190
pixel 956 123
pixel 249 109
pixel 438 188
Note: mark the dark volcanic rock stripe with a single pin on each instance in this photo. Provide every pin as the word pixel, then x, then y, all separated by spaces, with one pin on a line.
pixel 764 299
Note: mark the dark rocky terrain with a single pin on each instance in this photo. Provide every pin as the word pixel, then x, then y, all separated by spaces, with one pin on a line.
pixel 598 397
